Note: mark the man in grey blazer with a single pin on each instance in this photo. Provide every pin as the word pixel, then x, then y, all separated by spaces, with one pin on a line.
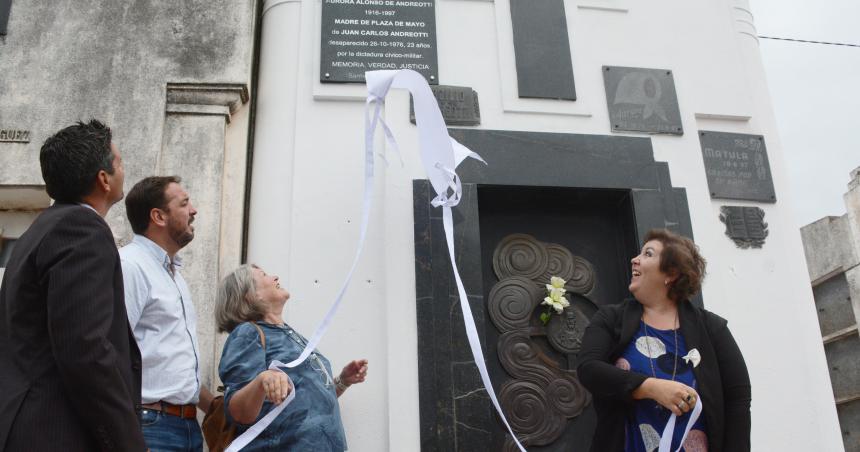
pixel 69 365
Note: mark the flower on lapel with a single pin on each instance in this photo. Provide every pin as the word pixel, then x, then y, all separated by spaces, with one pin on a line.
pixel 692 357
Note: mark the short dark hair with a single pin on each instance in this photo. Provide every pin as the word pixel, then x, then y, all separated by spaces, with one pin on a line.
pixel 680 258
pixel 146 195
pixel 72 158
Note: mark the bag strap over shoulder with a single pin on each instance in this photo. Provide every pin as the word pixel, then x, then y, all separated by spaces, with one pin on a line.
pixel 262 335
pixel 262 342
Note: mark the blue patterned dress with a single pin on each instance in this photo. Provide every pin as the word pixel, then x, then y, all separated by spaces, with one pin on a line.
pixel 312 421
pixel 648 419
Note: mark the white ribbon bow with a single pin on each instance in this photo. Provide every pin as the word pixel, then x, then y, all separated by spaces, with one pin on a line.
pixel 440 155
pixel 692 357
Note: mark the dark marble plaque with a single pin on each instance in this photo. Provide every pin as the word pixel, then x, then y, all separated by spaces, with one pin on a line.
pixel 744 225
pixel 642 100
pixel 5 6
pixel 368 35
pixel 542 49
pixel 737 166
pixel 458 104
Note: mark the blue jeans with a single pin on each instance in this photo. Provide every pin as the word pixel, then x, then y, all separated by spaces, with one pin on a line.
pixel 166 433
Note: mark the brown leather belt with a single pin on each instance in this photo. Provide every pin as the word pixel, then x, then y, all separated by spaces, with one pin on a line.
pixel 184 411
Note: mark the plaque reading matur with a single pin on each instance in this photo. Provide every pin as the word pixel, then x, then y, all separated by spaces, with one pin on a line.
pixel 370 35
pixel 737 166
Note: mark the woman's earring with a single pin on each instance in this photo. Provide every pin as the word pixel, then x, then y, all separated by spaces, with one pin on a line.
pixel 666 282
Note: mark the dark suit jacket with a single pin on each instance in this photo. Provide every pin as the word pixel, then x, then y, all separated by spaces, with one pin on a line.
pixel 722 377
pixel 69 365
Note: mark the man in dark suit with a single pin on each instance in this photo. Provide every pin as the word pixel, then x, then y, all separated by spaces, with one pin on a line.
pixel 69 366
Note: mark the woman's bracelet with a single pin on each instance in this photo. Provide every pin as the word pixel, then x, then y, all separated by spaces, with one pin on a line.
pixel 341 386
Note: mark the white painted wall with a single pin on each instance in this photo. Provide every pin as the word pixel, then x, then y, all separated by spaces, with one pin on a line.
pixel 307 182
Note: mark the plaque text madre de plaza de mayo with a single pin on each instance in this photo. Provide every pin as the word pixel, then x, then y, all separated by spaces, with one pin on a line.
pixel 366 35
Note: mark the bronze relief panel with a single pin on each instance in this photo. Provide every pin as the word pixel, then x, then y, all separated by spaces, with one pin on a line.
pixel 543 393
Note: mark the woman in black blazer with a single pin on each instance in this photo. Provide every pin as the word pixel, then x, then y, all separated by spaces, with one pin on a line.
pixel 646 359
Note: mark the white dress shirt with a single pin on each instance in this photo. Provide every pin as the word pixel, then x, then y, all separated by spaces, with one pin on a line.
pixel 162 317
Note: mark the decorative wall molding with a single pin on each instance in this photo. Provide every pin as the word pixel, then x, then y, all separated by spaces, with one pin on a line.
pixel 24 197
pixel 744 20
pixel 206 99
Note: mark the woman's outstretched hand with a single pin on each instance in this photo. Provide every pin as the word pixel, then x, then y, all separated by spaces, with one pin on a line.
pixel 276 385
pixel 354 372
pixel 672 395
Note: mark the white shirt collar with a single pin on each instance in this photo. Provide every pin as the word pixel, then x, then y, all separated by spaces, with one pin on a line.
pixel 89 207
pixel 157 251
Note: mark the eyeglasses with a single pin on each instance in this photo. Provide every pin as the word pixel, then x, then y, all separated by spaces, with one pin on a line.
pixel 315 362
pixel 319 366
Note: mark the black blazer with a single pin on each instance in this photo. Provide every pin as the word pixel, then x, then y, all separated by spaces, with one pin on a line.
pixel 723 381
pixel 69 365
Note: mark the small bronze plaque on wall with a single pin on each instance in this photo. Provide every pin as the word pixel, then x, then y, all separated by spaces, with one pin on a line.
pixel 744 225
pixel 642 100
pixel 458 104
pixel 737 167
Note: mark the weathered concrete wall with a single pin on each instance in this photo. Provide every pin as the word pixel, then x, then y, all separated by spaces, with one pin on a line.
pixel 833 300
pixel 832 247
pixel 62 61
pixel 827 246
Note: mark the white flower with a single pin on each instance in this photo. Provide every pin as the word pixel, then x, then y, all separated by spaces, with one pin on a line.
pixel 693 357
pixel 556 283
pixel 556 300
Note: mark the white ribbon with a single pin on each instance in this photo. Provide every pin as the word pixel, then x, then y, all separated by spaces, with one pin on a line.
pixel 669 431
pixel 255 430
pixel 440 155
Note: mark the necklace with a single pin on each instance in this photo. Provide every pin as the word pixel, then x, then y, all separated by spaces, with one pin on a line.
pixel 648 347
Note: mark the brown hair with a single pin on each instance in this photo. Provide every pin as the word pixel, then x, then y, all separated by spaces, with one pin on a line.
pixel 146 195
pixel 680 259
pixel 236 300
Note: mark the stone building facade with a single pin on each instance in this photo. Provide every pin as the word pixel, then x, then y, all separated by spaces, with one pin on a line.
pixel 172 80
pixel 599 119
pixel 832 246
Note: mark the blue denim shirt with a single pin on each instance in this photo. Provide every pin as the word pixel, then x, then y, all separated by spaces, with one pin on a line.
pixel 312 421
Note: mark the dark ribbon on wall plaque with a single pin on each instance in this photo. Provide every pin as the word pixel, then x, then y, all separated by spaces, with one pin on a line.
pixel 542 395
pixel 642 100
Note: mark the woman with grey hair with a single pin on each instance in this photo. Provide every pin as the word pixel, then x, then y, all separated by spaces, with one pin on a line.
pixel 250 302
